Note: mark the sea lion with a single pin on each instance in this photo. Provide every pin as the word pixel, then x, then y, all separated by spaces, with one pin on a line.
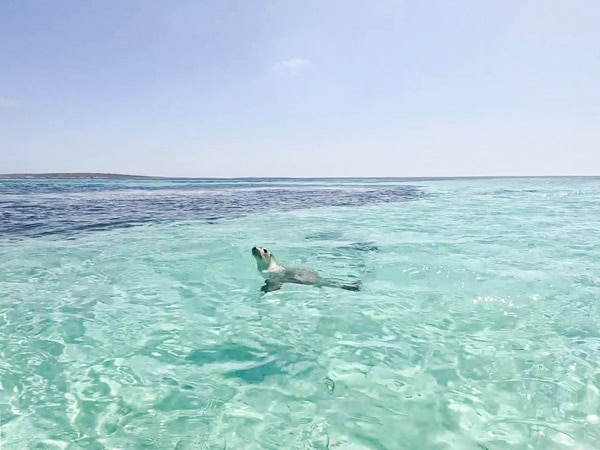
pixel 275 274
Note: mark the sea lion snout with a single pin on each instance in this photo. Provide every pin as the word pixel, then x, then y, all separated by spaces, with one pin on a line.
pixel 263 257
pixel 261 253
pixel 256 250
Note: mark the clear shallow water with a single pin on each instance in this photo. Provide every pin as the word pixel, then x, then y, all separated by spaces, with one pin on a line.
pixel 477 326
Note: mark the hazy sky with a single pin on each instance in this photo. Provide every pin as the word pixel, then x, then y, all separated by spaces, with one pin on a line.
pixel 300 88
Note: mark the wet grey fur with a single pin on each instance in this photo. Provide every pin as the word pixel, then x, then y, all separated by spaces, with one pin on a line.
pixel 276 274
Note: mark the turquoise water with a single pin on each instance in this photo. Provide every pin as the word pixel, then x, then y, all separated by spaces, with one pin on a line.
pixel 477 326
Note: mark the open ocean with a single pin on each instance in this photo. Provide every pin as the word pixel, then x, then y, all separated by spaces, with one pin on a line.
pixel 131 315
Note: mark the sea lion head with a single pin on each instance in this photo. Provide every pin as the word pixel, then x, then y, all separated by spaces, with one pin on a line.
pixel 263 257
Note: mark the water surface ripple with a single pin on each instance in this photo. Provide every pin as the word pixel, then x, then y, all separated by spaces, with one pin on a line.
pixel 478 326
pixel 35 208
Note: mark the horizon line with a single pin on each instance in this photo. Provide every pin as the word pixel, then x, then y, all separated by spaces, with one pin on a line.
pixel 100 175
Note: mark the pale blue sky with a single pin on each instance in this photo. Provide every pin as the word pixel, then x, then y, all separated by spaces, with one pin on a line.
pixel 300 88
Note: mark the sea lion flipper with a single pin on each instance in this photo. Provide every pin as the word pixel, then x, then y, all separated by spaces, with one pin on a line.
pixel 350 286
pixel 271 285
